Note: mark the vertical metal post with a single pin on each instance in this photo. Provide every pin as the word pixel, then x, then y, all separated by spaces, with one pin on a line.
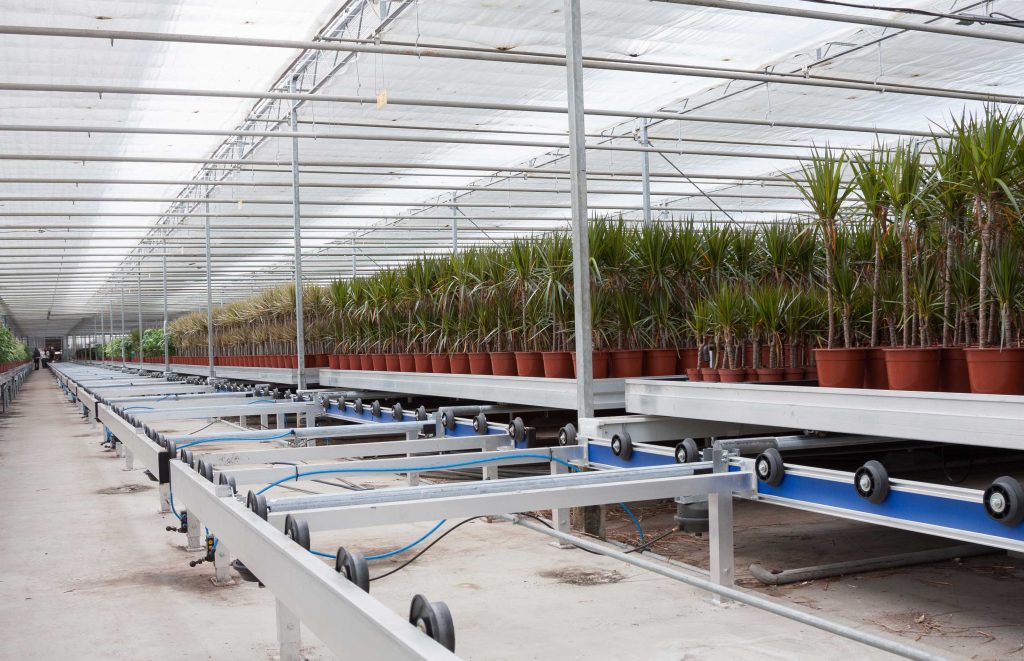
pixel 645 172
pixel 289 633
pixel 353 258
pixel 209 296
pixel 720 530
pixel 455 230
pixel 578 196
pixel 123 357
pixel 141 330
pixel 300 331
pixel 103 348
pixel 167 346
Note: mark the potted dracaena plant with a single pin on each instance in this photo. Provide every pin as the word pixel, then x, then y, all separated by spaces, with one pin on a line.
pixel 825 191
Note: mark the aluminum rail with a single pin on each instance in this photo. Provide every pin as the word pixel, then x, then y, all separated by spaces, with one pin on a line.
pixel 964 419
pixel 733 74
pixel 505 457
pixel 549 393
pixel 338 431
pixel 478 55
pixel 230 411
pixel 855 19
pixel 348 621
pixel 222 459
pixel 879 642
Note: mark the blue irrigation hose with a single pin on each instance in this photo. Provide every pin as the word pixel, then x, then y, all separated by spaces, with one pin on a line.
pixel 381 556
pixel 132 408
pixel 259 401
pixel 224 438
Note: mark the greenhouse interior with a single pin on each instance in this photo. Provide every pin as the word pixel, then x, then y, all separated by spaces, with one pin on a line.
pixel 408 329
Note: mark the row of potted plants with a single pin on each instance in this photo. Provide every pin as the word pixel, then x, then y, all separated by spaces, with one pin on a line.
pixel 942 223
pixel 13 352
pixel 908 277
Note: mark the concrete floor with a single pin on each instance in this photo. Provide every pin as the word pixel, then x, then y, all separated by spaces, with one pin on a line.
pixel 88 572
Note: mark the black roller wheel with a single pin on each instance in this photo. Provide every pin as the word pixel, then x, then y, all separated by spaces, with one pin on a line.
pixel 687 451
pixel 769 467
pixel 434 619
pixel 172 448
pixel 375 409
pixel 448 420
pixel 567 435
pixel 872 482
pixel 243 571
pixel 421 413
pixel 352 565
pixel 358 406
pixel 517 429
pixel 257 503
pixel 205 469
pixel 297 530
pixel 622 446
pixel 480 423
pixel 188 458
pixel 1004 501
pixel 229 480
pixel 397 413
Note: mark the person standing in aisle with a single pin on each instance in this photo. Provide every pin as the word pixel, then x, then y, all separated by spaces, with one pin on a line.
pixel 36 357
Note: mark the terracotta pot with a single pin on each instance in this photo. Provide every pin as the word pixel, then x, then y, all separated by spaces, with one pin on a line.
pixel 626 363
pixel 421 361
pixel 710 374
pixel 558 364
pixel 600 359
pixel 840 368
pixel 749 374
pixel 281 361
pixel 996 371
pixel 687 360
pixel 392 363
pixel 292 362
pixel 529 363
pixel 440 363
pixel 378 362
pixel 913 368
pixel 406 362
pixel 694 374
pixel 332 361
pixel 811 373
pixel 480 363
pixel 955 376
pixel 771 374
pixel 459 363
pixel 794 374
pixel 875 375
pixel 503 363
pixel 738 375
pixel 344 361
pixel 660 362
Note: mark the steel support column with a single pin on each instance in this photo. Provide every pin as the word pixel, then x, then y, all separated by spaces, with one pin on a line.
pixel 124 359
pixel 140 312
pixel 167 348
pixel 209 298
pixel 645 172
pixel 578 196
pixel 300 331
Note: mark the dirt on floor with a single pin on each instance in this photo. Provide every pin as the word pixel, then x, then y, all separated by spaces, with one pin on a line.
pixel 967 606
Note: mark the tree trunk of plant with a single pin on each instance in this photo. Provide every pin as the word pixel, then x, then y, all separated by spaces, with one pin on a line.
pixel 829 266
pixel 876 283
pixel 982 275
pixel 905 277
pixel 947 287
pixel 1005 339
pixel 847 326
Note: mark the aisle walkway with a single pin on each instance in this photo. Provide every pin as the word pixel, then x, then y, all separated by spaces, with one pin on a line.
pixel 90 574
